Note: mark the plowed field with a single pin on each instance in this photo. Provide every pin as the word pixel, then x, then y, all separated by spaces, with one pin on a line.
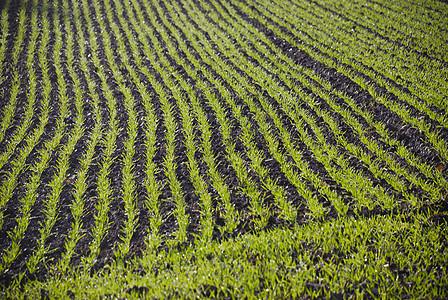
pixel 223 148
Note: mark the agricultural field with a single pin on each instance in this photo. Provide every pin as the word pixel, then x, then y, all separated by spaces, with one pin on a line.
pixel 223 149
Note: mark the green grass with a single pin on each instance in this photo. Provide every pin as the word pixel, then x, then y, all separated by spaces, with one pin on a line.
pixel 208 149
pixel 362 258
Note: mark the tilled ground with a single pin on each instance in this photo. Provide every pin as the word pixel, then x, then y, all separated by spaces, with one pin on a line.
pixel 413 139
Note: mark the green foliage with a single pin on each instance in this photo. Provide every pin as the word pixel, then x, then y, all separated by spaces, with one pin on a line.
pixel 320 259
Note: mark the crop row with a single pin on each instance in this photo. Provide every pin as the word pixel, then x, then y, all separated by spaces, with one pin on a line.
pixel 129 126
pixel 347 55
